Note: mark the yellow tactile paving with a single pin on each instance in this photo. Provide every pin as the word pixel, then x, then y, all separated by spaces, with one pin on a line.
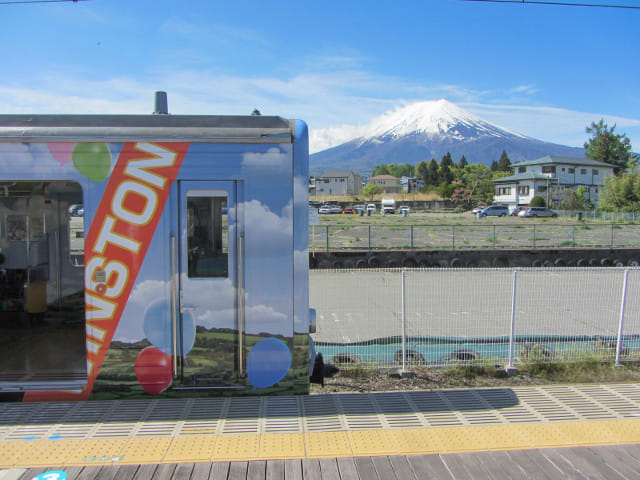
pixel 281 446
pixel 327 444
pixel 146 450
pixel 191 449
pixel 96 452
pixel 369 442
pixel 236 447
pixel 415 441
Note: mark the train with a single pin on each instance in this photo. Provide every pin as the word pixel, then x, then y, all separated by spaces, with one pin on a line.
pixel 154 255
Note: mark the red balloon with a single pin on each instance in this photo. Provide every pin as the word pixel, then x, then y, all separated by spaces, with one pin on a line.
pixel 153 370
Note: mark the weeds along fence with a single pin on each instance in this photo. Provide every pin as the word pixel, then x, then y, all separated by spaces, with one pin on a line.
pixel 441 317
pixel 483 235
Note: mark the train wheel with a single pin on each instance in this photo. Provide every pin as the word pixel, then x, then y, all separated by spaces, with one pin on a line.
pixel 374 262
pixel 345 359
pixel 605 262
pixel 582 262
pixel 361 263
pixel 455 263
pixel 412 357
pixel 409 262
pixel 560 262
pixel 465 356
pixel 536 352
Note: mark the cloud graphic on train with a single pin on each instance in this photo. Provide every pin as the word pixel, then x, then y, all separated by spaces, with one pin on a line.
pixel 274 158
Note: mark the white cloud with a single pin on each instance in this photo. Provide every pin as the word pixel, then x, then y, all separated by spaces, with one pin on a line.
pixel 335 103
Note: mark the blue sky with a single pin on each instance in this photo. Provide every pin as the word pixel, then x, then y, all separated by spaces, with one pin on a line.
pixel 545 71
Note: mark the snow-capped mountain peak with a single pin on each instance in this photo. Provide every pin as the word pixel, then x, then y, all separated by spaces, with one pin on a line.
pixel 433 119
pixel 419 132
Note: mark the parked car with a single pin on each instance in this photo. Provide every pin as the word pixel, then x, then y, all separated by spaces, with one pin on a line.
pixel 537 212
pixel 516 210
pixel 330 209
pixel 359 208
pixel 477 210
pixel 494 211
pixel 371 208
pixel 348 209
pixel 404 208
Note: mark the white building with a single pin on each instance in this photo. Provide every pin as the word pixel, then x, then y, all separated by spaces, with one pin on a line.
pixel 549 176
pixel 339 183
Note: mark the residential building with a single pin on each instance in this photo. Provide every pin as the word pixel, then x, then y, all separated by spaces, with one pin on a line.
pixel 342 182
pixel 549 176
pixel 411 184
pixel 388 183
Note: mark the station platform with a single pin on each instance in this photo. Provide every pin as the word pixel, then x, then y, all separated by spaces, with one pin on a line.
pixel 395 428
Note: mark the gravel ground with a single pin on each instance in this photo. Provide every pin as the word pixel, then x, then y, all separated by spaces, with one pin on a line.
pixel 385 380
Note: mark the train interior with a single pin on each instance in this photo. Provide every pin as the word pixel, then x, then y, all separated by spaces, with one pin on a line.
pixel 42 325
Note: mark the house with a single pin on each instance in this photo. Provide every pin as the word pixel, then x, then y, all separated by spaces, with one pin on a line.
pixel 411 184
pixel 549 176
pixel 388 183
pixel 338 183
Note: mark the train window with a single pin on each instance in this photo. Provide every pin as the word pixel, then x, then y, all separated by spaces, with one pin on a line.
pixel 207 234
pixel 76 235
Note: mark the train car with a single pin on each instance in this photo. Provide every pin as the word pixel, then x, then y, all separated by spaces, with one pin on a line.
pixel 153 255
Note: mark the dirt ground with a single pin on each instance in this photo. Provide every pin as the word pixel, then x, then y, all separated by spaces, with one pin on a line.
pixel 385 380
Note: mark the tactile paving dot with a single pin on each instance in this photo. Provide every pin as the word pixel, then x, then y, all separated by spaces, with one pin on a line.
pixel 191 449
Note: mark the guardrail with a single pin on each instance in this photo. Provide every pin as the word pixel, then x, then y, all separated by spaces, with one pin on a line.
pixel 421 237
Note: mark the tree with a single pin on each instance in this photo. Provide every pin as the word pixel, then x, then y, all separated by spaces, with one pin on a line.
pixel 621 193
pixel 381 170
pixel 495 167
pixel 445 172
pixel 607 146
pixel 537 201
pixel 432 173
pixel 463 162
pixel 504 164
pixel 575 199
pixel 371 189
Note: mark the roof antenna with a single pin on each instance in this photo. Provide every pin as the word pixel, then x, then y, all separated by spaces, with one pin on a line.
pixel 161 105
pixel 255 113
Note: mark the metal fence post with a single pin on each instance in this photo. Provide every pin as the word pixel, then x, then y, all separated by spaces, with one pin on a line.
pixel 327 232
pixel 534 235
pixel 411 237
pixel 623 302
pixel 369 236
pixel 404 321
pixel 513 320
pixel 453 237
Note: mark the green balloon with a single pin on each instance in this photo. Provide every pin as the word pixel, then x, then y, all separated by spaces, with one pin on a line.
pixel 93 160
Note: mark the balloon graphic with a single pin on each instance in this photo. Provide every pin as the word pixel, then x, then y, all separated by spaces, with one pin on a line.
pixel 157 327
pixel 153 370
pixel 268 362
pixel 93 160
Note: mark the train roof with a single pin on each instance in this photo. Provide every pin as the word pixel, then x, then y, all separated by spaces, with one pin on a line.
pixel 171 128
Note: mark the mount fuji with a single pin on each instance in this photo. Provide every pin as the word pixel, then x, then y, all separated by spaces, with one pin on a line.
pixel 426 130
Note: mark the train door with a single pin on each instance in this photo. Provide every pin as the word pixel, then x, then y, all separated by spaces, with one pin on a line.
pixel 210 297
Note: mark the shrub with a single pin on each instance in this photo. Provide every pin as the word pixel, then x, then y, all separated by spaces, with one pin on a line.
pixel 537 201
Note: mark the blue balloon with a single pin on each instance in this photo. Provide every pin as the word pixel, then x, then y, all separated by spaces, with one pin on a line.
pixel 157 327
pixel 268 362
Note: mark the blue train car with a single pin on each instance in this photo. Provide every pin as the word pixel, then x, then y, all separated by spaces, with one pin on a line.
pixel 153 255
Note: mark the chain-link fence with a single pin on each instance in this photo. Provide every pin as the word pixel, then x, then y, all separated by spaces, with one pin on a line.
pixel 395 317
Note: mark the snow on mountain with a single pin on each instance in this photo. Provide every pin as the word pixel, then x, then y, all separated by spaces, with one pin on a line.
pixel 433 119
pixel 421 131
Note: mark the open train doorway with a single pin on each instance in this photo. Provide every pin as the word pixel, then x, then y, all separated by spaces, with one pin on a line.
pixel 42 319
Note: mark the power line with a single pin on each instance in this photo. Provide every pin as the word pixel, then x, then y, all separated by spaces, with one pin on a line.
pixel 563 4
pixel 15 2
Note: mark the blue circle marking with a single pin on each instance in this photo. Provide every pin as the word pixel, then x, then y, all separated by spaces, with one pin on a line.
pixel 52 475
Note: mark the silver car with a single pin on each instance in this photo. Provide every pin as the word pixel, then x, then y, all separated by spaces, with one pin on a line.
pixel 537 212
